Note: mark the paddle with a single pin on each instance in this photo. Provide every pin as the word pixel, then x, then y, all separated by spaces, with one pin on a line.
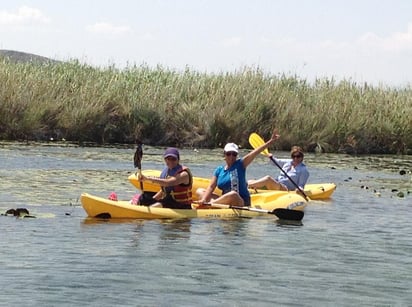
pixel 281 213
pixel 138 155
pixel 255 140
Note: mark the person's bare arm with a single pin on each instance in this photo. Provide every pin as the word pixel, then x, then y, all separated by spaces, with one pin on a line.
pixel 252 155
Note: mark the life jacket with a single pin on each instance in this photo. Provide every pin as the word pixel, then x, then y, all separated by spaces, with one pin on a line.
pixel 181 193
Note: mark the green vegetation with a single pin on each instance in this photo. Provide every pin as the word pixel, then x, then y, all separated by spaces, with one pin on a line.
pixel 76 102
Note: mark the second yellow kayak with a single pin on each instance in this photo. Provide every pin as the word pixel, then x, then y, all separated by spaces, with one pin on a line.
pixel 314 191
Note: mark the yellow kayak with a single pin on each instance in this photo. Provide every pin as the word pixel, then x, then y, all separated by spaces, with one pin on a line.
pixel 313 190
pixel 262 204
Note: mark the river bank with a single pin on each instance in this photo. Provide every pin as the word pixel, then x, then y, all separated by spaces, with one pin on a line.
pixel 79 103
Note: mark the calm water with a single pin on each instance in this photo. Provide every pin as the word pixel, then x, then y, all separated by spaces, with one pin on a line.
pixel 354 250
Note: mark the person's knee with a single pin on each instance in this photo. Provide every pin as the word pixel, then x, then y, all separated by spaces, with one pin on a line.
pixel 200 192
pixel 157 205
pixel 236 198
pixel 232 194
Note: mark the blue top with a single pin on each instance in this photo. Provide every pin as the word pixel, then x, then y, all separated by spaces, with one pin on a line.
pixel 233 179
pixel 299 174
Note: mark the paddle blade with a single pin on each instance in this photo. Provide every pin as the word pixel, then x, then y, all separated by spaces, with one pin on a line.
pixel 287 214
pixel 138 155
pixel 256 141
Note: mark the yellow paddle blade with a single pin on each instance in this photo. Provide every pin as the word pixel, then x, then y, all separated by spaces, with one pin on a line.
pixel 256 141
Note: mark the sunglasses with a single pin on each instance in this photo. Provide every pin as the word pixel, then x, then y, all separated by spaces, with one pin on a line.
pixel 231 153
pixel 297 156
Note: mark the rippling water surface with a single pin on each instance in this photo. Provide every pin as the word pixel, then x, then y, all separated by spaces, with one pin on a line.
pixel 352 250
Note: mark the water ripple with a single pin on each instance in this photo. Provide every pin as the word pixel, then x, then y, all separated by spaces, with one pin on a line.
pixel 352 250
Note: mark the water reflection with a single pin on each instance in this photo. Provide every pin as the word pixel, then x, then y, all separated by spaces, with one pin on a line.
pixel 99 221
pixel 174 230
pixel 237 227
pixel 287 223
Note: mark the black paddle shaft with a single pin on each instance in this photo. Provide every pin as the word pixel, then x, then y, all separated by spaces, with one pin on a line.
pixel 281 213
pixel 138 155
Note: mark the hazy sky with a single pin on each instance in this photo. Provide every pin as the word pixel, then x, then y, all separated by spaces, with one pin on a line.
pixel 363 40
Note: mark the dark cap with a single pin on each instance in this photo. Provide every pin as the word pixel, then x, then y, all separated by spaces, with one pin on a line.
pixel 172 152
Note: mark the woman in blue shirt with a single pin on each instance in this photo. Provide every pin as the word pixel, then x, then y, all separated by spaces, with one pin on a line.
pixel 231 177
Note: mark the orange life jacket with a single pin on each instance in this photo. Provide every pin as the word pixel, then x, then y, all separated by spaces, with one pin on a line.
pixel 181 193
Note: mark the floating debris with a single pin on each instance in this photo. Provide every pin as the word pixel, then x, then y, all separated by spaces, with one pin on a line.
pixel 19 212
pixel 377 193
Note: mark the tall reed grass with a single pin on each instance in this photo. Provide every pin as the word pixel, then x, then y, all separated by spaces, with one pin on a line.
pixel 160 106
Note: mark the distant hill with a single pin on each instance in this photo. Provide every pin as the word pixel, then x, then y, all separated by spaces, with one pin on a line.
pixel 23 57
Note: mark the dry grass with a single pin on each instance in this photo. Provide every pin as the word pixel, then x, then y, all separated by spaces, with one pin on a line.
pixel 163 107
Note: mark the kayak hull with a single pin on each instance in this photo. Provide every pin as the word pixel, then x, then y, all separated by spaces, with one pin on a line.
pixel 318 191
pixel 96 206
pixel 314 191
